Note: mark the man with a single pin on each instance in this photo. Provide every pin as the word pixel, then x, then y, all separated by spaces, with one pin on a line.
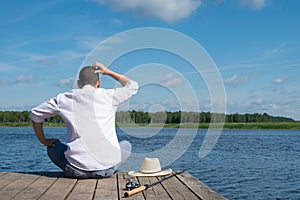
pixel 92 149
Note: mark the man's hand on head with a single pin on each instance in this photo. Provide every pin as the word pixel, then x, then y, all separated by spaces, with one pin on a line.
pixel 100 68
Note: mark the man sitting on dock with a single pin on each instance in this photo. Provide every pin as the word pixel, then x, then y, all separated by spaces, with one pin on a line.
pixel 92 149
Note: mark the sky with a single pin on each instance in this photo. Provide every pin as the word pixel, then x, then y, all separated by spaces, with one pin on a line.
pixel 254 45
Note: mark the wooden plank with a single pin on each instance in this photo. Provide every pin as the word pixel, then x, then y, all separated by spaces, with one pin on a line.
pixel 149 193
pixel 107 188
pixel 155 192
pixel 2 173
pixel 50 186
pixel 17 186
pixel 199 188
pixel 8 178
pixel 159 190
pixel 39 186
pixel 84 189
pixel 177 190
pixel 60 189
pixel 121 186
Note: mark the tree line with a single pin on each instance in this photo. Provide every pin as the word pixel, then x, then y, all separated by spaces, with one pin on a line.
pixel 195 117
pixel 140 117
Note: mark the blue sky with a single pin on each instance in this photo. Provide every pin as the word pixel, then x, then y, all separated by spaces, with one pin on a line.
pixel 255 45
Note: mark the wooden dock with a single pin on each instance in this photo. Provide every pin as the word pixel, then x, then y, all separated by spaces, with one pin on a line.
pixel 51 185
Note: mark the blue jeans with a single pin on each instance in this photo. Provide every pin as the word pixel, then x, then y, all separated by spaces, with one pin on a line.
pixel 57 156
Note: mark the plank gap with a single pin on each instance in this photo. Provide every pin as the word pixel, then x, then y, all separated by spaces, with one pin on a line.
pixel 49 186
pixel 71 189
pixel 183 183
pixel 118 187
pixel 165 189
pixel 94 193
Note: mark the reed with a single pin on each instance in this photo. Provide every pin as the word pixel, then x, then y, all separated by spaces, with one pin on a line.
pixel 254 125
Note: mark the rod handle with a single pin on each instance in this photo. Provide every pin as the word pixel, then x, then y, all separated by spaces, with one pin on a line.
pixel 134 191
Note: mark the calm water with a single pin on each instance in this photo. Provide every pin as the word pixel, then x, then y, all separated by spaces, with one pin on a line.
pixel 244 164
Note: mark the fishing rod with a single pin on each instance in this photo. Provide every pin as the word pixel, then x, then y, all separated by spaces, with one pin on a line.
pixel 146 186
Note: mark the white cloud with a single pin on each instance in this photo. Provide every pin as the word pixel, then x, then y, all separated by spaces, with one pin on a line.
pixel 28 79
pixel 169 11
pixel 170 80
pixel 232 79
pixel 278 80
pixel 22 79
pixel 274 106
pixel 254 4
pixel 235 79
pixel 69 82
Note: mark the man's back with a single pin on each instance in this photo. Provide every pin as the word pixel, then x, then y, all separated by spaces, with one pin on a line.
pixel 89 114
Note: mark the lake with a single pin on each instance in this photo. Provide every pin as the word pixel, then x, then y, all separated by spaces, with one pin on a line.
pixel 244 164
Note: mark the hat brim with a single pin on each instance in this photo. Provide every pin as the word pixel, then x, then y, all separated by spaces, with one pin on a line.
pixel 161 173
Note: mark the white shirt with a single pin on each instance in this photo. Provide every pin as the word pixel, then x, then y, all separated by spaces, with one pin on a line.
pixel 89 115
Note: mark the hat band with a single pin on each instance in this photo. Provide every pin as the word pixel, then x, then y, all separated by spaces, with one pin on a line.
pixel 150 172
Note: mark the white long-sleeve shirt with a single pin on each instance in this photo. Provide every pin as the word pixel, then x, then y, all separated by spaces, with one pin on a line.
pixel 89 115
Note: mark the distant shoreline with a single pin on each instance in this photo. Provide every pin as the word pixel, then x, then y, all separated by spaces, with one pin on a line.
pixel 252 125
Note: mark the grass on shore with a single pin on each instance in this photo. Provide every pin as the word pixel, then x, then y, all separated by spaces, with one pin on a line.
pixel 282 125
pixel 256 125
pixel 29 124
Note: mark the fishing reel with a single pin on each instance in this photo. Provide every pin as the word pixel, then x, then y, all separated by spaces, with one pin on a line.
pixel 131 185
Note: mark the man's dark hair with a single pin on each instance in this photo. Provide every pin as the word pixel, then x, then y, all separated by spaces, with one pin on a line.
pixel 87 76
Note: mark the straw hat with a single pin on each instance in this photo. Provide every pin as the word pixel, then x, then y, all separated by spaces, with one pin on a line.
pixel 150 167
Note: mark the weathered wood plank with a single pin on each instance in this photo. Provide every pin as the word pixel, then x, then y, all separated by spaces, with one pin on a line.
pixel 17 186
pixel 60 189
pixel 7 178
pixel 177 190
pixel 159 190
pixel 84 189
pixel 2 173
pixel 122 183
pixel 39 186
pixel 51 186
pixel 107 188
pixel 149 193
pixel 155 192
pixel 199 188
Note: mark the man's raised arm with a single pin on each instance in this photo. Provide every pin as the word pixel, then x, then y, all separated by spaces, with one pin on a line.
pixel 100 68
